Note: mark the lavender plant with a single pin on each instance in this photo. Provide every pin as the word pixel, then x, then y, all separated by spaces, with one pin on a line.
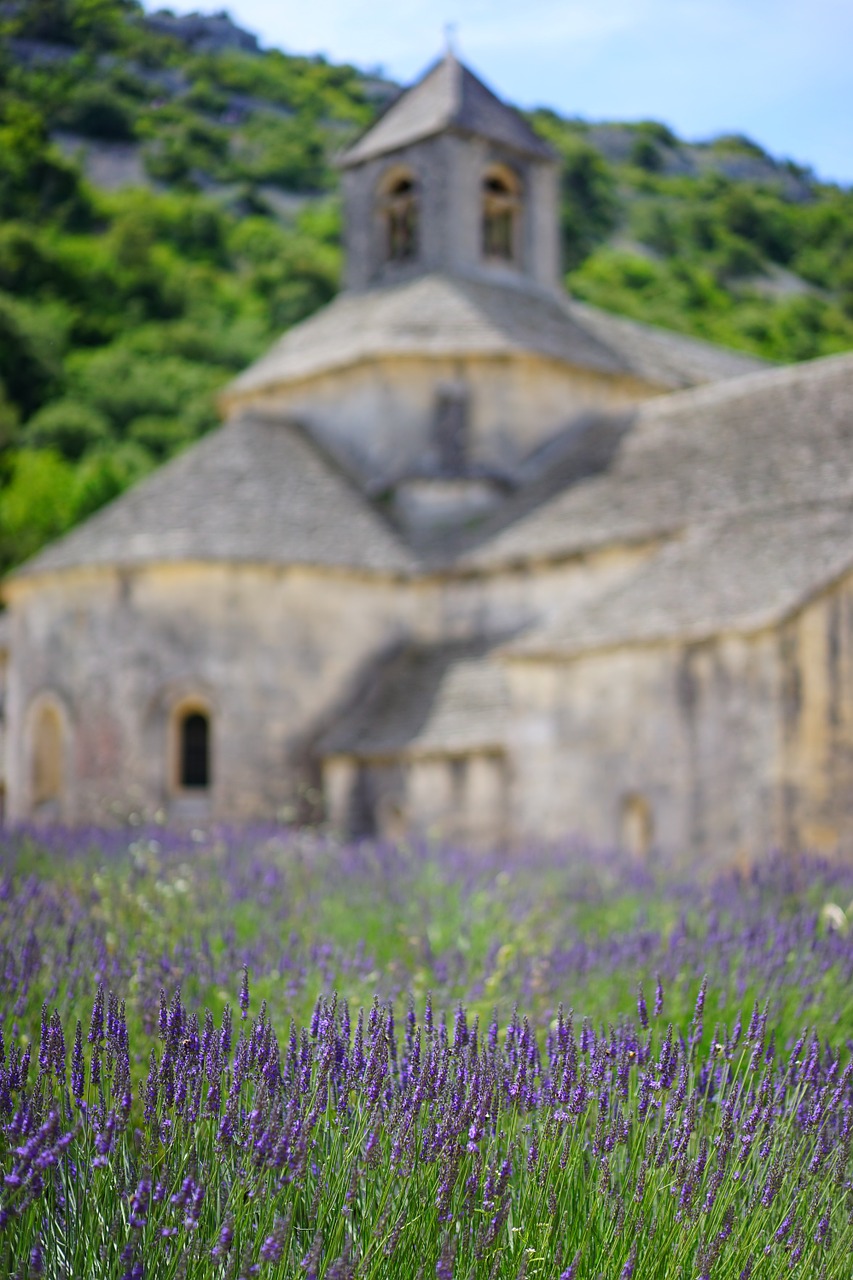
pixel 660 1123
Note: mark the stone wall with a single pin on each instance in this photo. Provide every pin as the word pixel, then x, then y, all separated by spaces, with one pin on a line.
pixel 732 746
pixel 269 654
pixel 815 655
pixel 453 798
pixel 273 655
pixel 712 750
pixel 4 767
pixel 379 416
pixel 687 734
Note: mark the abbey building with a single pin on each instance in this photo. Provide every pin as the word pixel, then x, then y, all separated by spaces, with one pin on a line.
pixel 465 558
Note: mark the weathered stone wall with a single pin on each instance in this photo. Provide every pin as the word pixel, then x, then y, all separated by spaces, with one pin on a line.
pixel 689 734
pixel 380 415
pixel 815 655
pixel 711 751
pixel 461 798
pixel 274 655
pixel 271 654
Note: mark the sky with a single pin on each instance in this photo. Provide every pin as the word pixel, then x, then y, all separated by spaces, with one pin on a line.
pixel 779 71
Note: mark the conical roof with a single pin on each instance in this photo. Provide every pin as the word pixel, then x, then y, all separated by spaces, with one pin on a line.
pixel 448 96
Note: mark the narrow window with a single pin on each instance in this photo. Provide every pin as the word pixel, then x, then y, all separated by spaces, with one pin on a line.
pixel 195 750
pixel 501 207
pixel 47 757
pixel 400 216
pixel 638 825
pixel 450 430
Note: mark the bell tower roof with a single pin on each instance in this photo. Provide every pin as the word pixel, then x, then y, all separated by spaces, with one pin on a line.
pixel 448 97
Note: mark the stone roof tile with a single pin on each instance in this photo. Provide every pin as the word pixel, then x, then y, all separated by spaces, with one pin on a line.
pixel 440 315
pixel 251 491
pixel 776 437
pixel 448 96
pixel 739 574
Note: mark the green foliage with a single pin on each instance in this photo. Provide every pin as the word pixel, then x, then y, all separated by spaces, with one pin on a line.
pixel 45 494
pixel 104 473
pixel 692 298
pixel 69 427
pixel 589 200
pixel 123 386
pixel 97 24
pixel 36 182
pixel 646 154
pixel 37 502
pixel 289 153
pixel 97 111
pixel 29 364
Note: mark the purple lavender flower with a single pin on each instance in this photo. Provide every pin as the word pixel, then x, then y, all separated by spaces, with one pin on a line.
pixel 658 996
pixel 571 1270
pixel 630 1264
pixel 642 1011
pixel 78 1070
pixel 96 1026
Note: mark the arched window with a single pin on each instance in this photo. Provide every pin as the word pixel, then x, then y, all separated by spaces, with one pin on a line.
pixel 501 214
pixel 399 208
pixel 47 770
pixel 194 750
pixel 638 825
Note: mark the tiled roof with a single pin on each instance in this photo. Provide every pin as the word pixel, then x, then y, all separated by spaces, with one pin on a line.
pixel 440 315
pixel 741 574
pixel 771 439
pixel 252 491
pixel 448 96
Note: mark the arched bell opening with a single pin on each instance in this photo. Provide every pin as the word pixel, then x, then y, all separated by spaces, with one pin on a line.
pixel 399 215
pixel 501 204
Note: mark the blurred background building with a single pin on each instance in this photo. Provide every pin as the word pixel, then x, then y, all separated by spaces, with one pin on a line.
pixel 467 557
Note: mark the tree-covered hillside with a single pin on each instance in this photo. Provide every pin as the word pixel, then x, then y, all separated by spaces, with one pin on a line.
pixel 168 205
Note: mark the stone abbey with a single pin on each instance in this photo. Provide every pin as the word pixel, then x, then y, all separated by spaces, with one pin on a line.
pixel 466 557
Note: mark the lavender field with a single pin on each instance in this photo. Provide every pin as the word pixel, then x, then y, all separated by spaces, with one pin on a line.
pixel 261 1054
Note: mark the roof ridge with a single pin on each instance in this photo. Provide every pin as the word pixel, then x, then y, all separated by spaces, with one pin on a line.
pixel 732 388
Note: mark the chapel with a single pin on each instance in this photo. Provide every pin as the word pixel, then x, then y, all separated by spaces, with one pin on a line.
pixel 466 559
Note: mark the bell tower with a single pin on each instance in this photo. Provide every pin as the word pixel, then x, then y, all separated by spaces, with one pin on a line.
pixel 450 180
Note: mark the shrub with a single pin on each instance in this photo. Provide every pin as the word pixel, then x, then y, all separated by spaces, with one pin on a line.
pixel 124 386
pixel 70 427
pixel 37 503
pixel 29 364
pixel 646 154
pixel 97 111
pixel 588 207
